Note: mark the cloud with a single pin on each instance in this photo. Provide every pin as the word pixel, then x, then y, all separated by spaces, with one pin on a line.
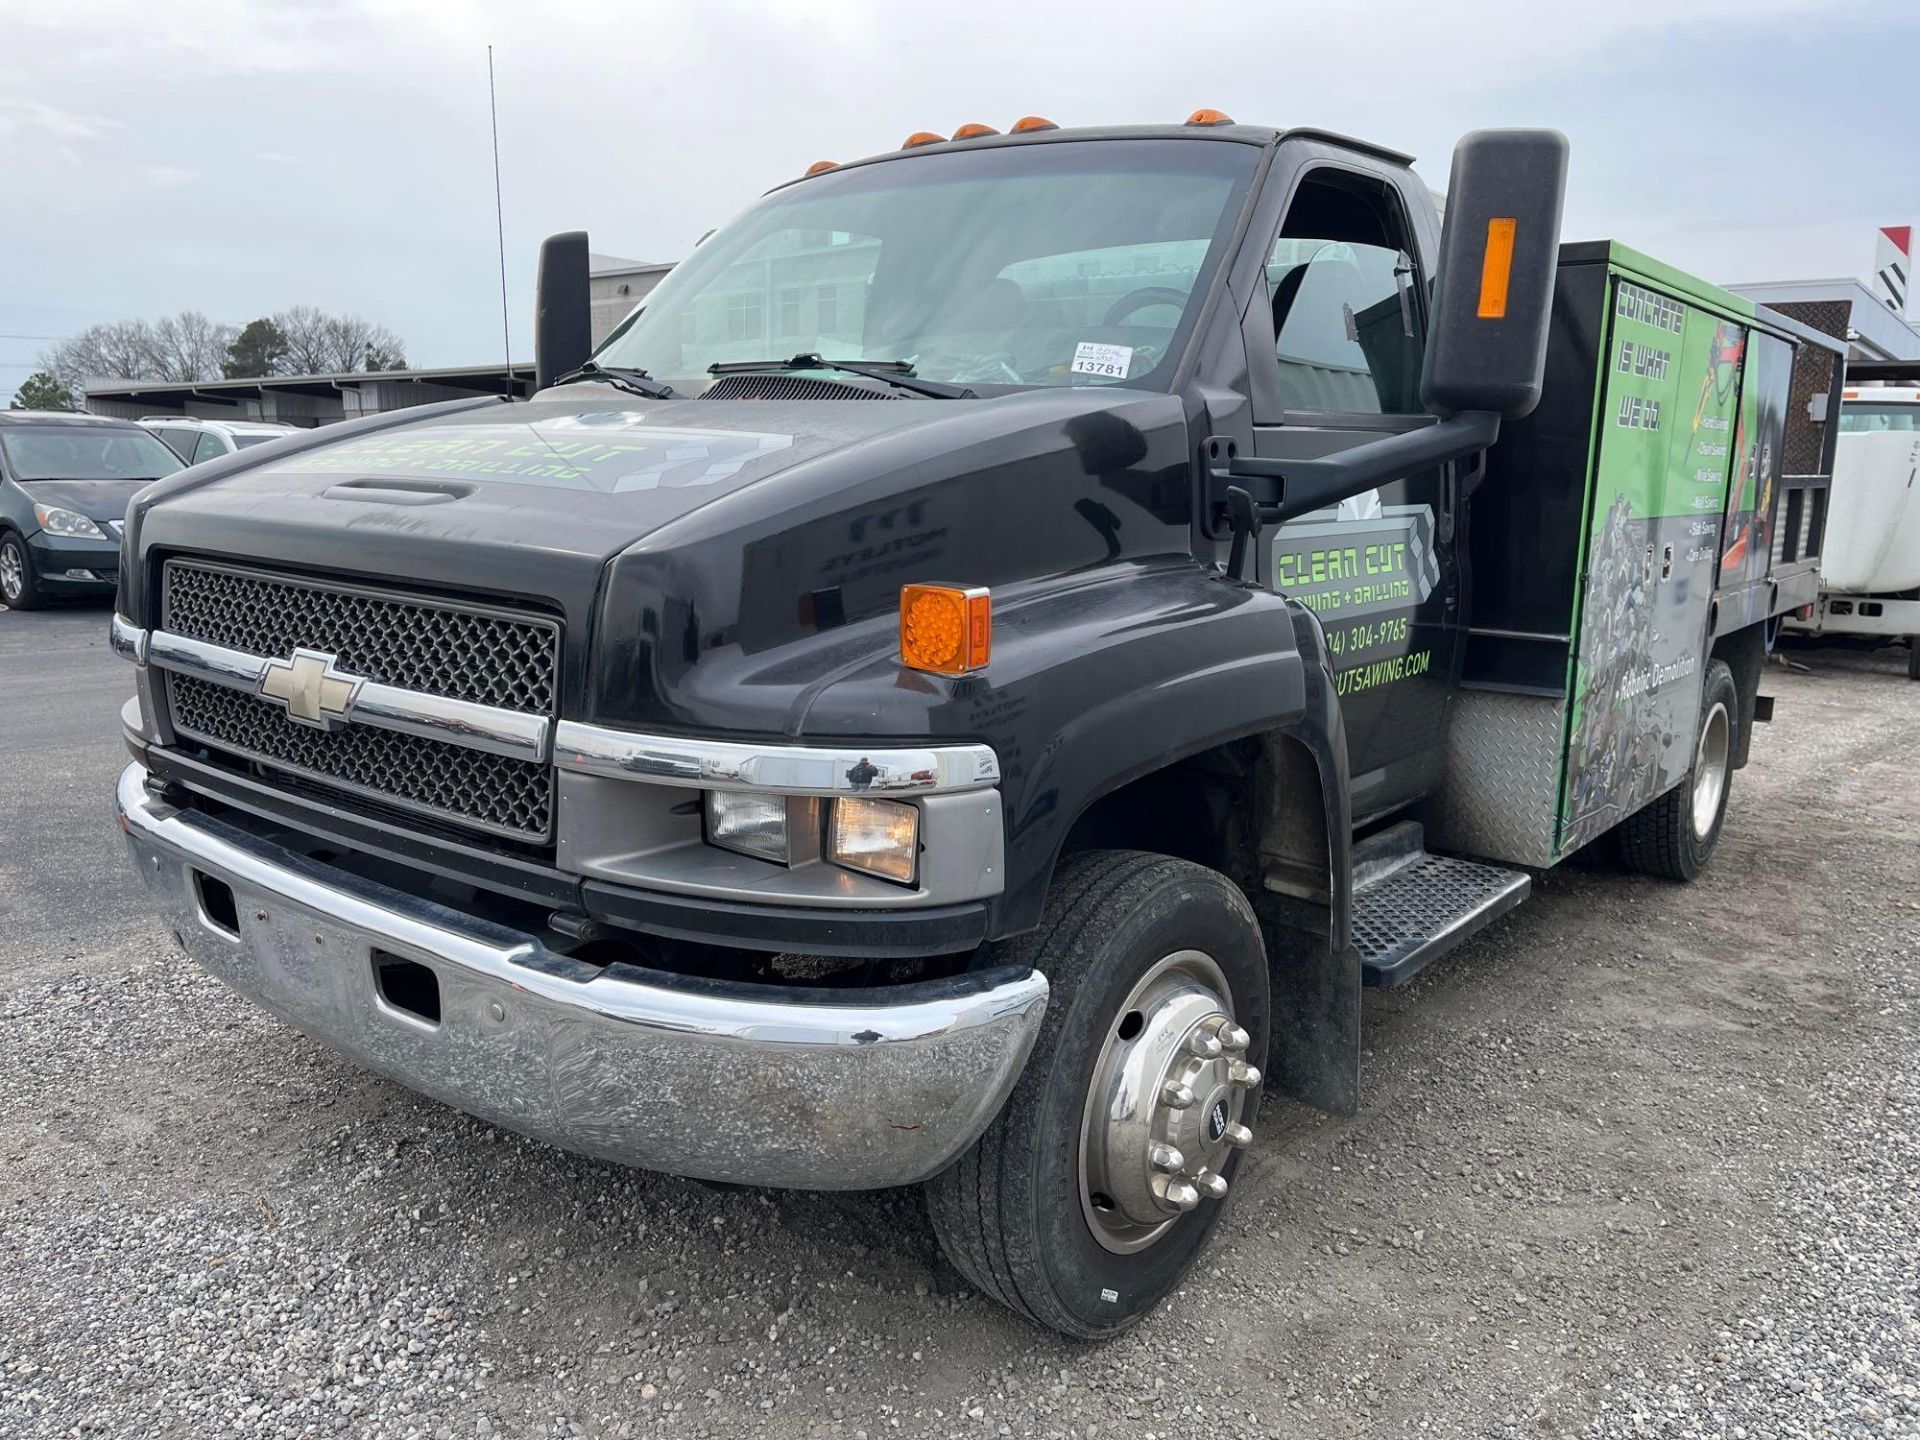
pixel 341 153
pixel 20 117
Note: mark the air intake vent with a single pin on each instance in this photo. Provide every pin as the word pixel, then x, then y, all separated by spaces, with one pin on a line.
pixel 775 386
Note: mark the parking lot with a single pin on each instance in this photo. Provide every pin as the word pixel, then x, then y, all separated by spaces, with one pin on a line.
pixel 1640 1161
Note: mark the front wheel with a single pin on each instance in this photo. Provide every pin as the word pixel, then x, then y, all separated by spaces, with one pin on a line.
pixel 19 588
pixel 1101 1180
pixel 1675 835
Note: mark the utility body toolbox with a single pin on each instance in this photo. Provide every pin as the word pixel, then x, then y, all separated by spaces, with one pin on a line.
pixel 1640 513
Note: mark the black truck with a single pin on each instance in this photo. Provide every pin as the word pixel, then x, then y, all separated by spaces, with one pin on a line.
pixel 968 683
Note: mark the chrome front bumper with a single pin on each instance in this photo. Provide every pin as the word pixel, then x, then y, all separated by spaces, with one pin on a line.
pixel 761 1085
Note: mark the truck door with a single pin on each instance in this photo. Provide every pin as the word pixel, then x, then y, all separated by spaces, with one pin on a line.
pixel 1339 336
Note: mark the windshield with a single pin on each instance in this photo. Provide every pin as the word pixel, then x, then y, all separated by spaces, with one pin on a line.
pixel 75 452
pixel 1076 263
pixel 1874 419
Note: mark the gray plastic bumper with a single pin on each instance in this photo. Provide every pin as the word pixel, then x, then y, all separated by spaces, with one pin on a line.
pixel 761 1085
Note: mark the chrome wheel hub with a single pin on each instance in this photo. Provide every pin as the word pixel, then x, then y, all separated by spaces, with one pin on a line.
pixel 1710 770
pixel 1164 1106
pixel 12 582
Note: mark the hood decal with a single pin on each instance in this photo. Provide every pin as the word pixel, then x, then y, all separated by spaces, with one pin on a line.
pixel 611 452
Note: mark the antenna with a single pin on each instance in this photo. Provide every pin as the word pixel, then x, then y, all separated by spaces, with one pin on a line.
pixel 500 223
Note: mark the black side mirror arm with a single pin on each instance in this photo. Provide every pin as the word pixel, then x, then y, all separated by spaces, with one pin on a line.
pixel 1248 492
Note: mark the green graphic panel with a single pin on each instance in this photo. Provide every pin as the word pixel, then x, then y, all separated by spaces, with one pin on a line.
pixel 1666 420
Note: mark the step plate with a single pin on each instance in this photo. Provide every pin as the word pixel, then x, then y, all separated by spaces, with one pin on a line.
pixel 1406 920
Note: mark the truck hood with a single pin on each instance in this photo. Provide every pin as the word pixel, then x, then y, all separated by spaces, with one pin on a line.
pixel 535 501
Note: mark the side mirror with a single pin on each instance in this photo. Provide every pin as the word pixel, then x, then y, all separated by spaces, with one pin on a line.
pixel 1499 248
pixel 563 318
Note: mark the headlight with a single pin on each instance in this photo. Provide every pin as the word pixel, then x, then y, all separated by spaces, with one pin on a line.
pixel 881 837
pixel 780 828
pixel 70 523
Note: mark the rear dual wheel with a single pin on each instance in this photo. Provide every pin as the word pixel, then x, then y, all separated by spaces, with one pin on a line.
pixel 1674 837
pixel 1103 1177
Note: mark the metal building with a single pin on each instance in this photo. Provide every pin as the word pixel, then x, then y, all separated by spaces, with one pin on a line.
pixel 305 400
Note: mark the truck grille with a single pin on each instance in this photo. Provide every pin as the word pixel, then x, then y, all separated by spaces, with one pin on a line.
pixel 487 657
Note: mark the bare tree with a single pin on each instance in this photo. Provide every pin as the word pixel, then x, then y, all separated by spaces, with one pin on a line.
pixel 122 350
pixel 309 341
pixel 319 343
pixel 188 346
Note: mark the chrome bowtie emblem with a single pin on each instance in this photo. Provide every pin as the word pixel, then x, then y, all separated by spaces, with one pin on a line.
pixel 315 693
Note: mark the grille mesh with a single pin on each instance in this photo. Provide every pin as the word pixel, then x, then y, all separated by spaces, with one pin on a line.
pixel 776 386
pixel 488 659
pixel 468 786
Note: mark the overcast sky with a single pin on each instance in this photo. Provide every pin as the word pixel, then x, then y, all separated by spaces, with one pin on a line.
pixel 240 156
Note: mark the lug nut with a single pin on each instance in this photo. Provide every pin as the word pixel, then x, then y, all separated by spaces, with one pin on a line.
pixel 1168 1158
pixel 1180 1195
pixel 1177 1095
pixel 1244 1075
pixel 1234 1038
pixel 1213 1186
pixel 1238 1136
pixel 1204 1045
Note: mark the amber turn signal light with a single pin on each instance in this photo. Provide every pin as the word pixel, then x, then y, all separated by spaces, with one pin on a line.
pixel 1028 123
pixel 1496 266
pixel 1209 117
pixel 921 137
pixel 945 629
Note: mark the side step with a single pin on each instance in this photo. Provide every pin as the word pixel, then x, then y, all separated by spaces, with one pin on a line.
pixel 1410 908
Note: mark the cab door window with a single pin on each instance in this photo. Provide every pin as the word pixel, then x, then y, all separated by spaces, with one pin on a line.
pixel 208 447
pixel 1349 321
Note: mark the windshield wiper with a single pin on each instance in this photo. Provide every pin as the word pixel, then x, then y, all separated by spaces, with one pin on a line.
pixel 898 373
pixel 621 377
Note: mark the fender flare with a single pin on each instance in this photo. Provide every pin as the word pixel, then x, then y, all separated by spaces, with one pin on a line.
pixel 1166 693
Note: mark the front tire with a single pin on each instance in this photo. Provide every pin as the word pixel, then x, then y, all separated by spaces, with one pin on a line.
pixel 1913 657
pixel 19 586
pixel 1675 835
pixel 1101 1180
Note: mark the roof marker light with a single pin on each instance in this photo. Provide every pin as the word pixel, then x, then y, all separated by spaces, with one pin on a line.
pixel 1209 117
pixel 973 130
pixel 1027 124
pixel 921 137
pixel 817 166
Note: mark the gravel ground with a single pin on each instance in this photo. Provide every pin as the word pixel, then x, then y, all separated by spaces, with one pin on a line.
pixel 1641 1160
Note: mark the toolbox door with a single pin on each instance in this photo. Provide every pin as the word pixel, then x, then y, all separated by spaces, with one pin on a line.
pixel 1656 505
pixel 1759 450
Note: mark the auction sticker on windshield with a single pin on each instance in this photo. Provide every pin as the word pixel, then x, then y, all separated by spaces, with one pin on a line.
pixel 1090 357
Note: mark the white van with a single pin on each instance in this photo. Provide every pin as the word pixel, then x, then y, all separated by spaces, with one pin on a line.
pixel 194 440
